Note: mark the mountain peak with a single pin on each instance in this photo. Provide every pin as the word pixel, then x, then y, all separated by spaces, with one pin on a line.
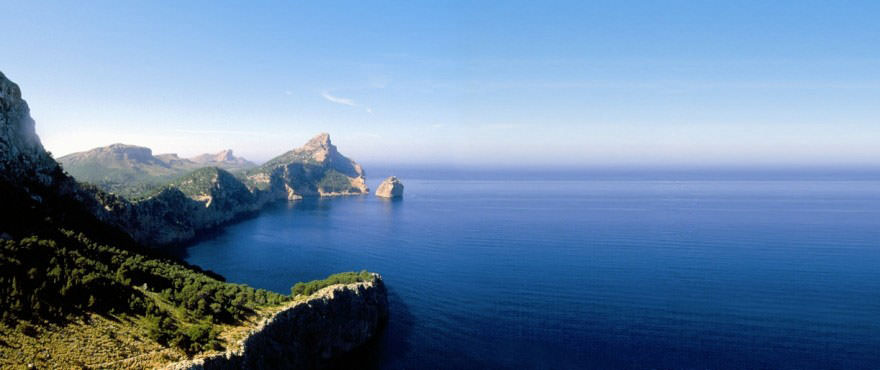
pixel 322 140
pixel 125 152
pixel 224 156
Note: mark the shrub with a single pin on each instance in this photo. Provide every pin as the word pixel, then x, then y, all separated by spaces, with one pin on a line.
pixel 340 278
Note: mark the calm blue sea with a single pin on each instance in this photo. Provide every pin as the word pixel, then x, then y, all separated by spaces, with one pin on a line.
pixel 620 271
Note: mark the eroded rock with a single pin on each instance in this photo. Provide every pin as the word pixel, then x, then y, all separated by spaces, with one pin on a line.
pixel 390 188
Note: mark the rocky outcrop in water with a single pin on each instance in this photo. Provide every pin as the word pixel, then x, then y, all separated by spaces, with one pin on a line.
pixel 390 188
pixel 309 334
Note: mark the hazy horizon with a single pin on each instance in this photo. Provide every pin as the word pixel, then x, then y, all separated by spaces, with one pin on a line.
pixel 514 84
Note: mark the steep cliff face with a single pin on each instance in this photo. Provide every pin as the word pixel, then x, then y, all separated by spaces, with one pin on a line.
pixel 202 200
pixel 31 182
pixel 22 156
pixel 315 169
pixel 310 333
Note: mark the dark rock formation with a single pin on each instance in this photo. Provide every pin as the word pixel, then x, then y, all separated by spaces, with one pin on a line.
pixel 390 188
pixel 308 334
pixel 31 182
pixel 21 154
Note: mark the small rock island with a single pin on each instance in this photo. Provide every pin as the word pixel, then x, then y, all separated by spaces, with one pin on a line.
pixel 390 188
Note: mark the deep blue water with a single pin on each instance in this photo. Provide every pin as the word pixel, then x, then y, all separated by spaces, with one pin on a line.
pixel 625 273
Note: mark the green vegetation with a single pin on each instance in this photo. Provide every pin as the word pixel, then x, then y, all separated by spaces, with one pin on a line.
pixel 340 278
pixel 78 292
pixel 61 278
pixel 133 172
pixel 335 182
pixel 197 183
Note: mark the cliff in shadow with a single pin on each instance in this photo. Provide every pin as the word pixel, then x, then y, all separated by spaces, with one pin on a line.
pixel 309 333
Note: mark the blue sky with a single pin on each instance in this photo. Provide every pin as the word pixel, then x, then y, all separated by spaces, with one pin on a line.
pixel 495 83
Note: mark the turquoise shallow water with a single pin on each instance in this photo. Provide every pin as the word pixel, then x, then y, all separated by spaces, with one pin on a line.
pixel 632 273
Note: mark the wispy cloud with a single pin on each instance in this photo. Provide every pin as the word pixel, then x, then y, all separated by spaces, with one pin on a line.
pixel 338 100
pixel 344 101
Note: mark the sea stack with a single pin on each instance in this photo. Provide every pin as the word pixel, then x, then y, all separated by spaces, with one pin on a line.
pixel 390 188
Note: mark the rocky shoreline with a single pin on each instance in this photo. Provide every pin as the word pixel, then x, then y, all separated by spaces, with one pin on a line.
pixel 211 197
pixel 307 334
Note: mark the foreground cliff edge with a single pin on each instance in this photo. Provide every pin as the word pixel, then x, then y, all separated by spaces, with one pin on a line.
pixel 76 291
pixel 300 335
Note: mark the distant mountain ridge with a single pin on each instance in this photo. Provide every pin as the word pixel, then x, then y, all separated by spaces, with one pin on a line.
pixel 128 170
pixel 223 159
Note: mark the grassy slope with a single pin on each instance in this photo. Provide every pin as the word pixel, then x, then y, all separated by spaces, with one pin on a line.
pixel 136 180
pixel 122 341
pixel 69 300
pixel 93 295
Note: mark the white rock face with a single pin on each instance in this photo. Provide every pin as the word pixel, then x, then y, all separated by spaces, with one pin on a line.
pixel 390 188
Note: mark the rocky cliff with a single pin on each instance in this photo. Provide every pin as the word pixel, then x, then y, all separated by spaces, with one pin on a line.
pixel 210 197
pixel 187 202
pixel 310 333
pixel 315 169
pixel 203 199
pixel 31 182
pixel 177 211
pixel 22 156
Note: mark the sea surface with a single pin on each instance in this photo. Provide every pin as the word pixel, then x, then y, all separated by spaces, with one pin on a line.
pixel 614 271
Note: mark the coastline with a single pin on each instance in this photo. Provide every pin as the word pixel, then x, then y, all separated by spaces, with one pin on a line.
pixel 359 311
